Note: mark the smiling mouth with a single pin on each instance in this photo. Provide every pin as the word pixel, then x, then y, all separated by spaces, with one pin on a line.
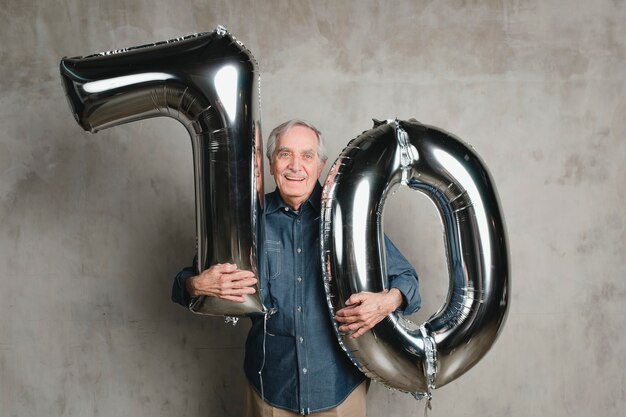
pixel 290 178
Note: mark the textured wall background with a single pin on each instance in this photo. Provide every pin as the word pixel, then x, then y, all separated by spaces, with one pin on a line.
pixel 94 227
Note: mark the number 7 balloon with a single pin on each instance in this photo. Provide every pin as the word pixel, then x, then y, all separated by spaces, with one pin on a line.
pixel 208 82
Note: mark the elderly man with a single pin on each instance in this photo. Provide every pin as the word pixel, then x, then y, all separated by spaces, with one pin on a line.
pixel 293 362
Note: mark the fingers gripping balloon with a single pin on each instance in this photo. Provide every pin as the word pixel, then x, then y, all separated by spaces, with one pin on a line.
pixel 209 83
pixel 397 352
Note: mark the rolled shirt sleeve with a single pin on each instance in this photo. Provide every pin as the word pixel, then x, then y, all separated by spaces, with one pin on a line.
pixel 179 288
pixel 403 277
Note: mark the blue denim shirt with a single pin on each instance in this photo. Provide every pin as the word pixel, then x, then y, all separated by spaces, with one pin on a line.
pixel 303 367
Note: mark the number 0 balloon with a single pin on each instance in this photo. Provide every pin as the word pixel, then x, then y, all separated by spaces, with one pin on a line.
pixel 208 82
pixel 397 352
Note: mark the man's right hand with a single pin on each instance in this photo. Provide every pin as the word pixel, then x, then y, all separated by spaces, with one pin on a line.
pixel 223 281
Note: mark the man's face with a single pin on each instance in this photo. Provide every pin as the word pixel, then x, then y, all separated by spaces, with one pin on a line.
pixel 296 165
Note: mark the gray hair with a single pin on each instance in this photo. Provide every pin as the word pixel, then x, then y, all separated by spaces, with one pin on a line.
pixel 284 127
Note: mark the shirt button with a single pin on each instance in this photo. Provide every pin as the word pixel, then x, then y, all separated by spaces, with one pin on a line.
pixel 301 339
pixel 299 250
pixel 304 370
pixel 299 279
pixel 286 208
pixel 298 221
pixel 299 309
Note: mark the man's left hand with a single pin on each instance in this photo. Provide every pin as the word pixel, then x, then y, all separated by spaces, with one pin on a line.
pixel 365 310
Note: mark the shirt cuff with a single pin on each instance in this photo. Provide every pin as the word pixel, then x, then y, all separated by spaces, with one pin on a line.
pixel 179 289
pixel 410 290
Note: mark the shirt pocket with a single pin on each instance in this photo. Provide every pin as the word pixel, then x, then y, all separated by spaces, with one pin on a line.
pixel 273 250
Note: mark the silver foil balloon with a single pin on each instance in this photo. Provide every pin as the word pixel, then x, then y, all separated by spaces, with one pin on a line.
pixel 208 82
pixel 397 352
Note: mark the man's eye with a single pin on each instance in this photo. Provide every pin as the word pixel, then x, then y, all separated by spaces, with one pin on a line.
pixel 308 156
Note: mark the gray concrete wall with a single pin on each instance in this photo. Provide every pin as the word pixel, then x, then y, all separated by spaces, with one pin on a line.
pixel 94 227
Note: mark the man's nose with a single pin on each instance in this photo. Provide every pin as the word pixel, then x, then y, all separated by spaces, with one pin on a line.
pixel 296 163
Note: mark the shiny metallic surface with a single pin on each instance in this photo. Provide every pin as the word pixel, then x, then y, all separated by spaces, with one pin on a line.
pixel 208 82
pixel 396 352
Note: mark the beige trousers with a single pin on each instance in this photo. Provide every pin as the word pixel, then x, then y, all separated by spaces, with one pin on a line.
pixel 353 406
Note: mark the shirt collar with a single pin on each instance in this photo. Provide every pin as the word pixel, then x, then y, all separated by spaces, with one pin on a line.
pixel 275 202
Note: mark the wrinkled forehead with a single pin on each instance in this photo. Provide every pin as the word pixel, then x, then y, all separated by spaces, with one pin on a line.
pixel 296 149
